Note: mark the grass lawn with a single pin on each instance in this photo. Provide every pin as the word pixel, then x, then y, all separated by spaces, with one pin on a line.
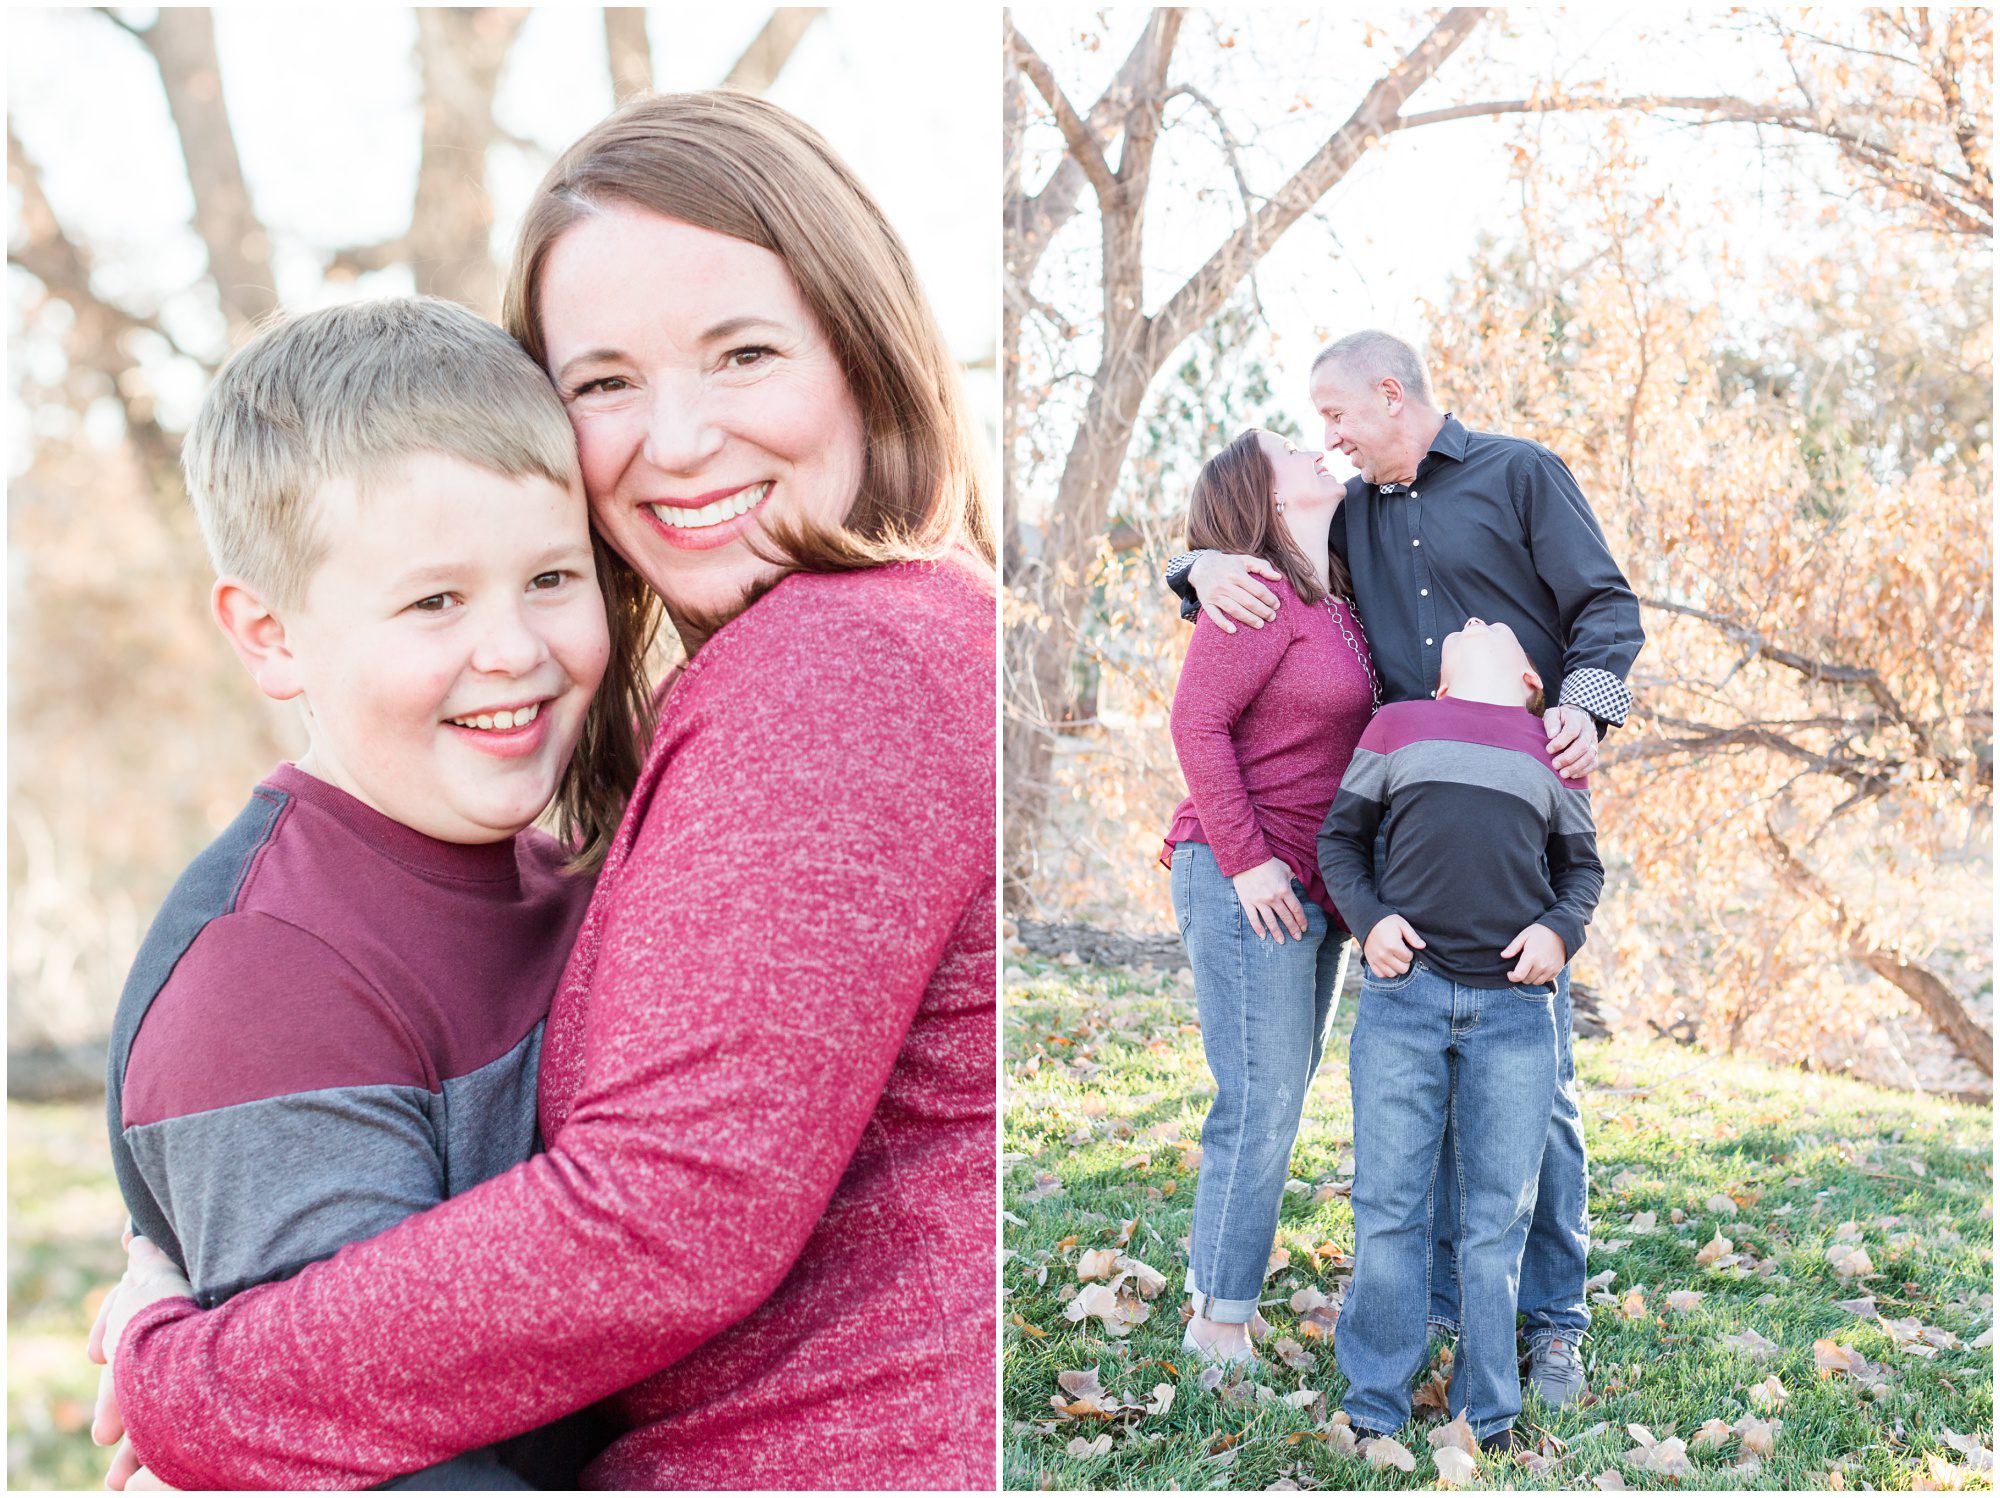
pixel 63 1220
pixel 1825 1190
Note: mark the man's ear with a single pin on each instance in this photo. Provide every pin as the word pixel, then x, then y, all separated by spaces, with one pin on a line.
pixel 258 636
pixel 1392 394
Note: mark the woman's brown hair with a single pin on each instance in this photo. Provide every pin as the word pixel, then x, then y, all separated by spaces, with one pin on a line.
pixel 737 165
pixel 1231 510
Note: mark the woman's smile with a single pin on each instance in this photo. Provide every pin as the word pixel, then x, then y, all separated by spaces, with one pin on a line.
pixel 709 520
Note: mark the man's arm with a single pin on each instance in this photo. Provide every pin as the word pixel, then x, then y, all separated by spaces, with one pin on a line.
pixel 1598 613
pixel 1223 585
pixel 1575 873
pixel 1347 836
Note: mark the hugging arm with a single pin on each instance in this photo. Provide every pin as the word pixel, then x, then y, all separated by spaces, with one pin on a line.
pixel 1575 873
pixel 1597 612
pixel 1347 836
pixel 716 1113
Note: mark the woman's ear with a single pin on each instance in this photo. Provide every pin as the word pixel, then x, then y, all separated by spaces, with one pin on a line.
pixel 258 636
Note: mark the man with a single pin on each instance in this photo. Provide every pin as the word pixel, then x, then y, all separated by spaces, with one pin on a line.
pixel 1441 525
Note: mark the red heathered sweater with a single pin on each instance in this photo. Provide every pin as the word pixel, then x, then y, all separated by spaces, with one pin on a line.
pixel 764 1221
pixel 1264 722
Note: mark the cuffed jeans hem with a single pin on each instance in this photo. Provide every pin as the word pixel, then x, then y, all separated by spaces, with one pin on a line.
pixel 1388 1424
pixel 1485 1432
pixel 1442 1327
pixel 1209 1308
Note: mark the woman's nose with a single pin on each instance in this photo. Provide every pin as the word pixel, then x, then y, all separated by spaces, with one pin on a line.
pixel 681 434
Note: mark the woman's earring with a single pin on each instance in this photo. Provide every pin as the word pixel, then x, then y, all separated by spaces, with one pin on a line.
pixel 1280 504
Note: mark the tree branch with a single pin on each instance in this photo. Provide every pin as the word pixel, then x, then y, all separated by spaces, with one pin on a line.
pixel 628 51
pixel 1884 957
pixel 1085 149
pixel 765 58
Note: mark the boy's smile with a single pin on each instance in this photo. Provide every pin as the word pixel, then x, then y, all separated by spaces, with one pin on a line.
pixel 447 645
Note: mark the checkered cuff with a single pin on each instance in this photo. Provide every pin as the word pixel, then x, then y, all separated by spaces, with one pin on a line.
pixel 1177 571
pixel 1598 693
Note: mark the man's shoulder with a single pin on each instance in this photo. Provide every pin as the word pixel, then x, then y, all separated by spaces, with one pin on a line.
pixel 1509 447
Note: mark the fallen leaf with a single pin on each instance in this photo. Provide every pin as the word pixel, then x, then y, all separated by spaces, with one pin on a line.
pixel 1721 1205
pixel 1600 1281
pixel 1714 1249
pixel 1162 1400
pixel 1609 1482
pixel 1280 1257
pixel 1758 1436
pixel 1751 1343
pixel 1456 1434
pixel 1340 1437
pixel 1386 1451
pixel 1308 1299
pixel 1713 1436
pixel 1669 1456
pixel 1150 1281
pixel 1769 1395
pixel 1848 1232
pixel 1625 1180
pixel 1849 1260
pixel 1644 1222
pixel 1684 1300
pixel 1977 1457
pixel 1099 1447
pixel 1292 1355
pixel 1097 1264
pixel 1455 1468
pixel 1863 1307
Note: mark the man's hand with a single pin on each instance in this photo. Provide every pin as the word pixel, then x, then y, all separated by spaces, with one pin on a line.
pixel 1572 740
pixel 1228 592
pixel 1388 947
pixel 1541 953
pixel 150 1276
pixel 1266 893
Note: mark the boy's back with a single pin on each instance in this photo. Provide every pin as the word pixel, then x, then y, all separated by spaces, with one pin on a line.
pixel 1483 839
pixel 333 1023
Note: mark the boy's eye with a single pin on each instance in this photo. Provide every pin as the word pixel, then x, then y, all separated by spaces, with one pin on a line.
pixel 437 603
pixel 546 580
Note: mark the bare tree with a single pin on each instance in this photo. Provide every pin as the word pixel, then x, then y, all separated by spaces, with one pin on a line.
pixel 758 68
pixel 628 50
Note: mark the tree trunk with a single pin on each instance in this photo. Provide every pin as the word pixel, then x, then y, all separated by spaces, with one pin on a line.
pixel 1930 993
pixel 758 68
pixel 628 51
pixel 460 54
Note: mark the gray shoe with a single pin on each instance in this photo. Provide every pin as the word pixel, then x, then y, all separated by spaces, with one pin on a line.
pixel 1556 1371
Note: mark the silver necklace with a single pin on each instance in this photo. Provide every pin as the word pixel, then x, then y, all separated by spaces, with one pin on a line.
pixel 1360 653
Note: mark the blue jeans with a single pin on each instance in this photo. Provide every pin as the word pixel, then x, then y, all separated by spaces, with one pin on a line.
pixel 1425 1048
pixel 1553 1268
pixel 1265 1009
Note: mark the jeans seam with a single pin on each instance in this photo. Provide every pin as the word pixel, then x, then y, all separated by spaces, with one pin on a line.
pixel 1220 1233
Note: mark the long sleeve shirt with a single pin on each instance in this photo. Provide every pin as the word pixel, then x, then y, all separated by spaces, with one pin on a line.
pixel 1263 723
pixel 1483 838
pixel 763 1225
pixel 1493 527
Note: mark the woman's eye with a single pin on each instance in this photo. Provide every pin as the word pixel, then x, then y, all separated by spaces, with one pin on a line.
pixel 746 358
pixel 607 384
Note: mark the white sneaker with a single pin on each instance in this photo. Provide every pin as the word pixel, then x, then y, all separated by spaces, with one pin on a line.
pixel 1241 1358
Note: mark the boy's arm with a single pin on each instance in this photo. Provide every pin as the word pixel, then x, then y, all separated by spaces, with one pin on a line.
pixel 1575 873
pixel 1347 836
pixel 1219 679
pixel 1598 613
pixel 278 1110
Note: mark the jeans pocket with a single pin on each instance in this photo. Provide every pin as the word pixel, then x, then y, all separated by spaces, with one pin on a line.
pixel 1388 985
pixel 1534 993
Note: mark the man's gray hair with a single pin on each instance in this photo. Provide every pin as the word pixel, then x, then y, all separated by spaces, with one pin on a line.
pixel 345 393
pixel 1375 355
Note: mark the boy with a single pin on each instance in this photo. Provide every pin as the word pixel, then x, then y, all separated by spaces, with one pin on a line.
pixel 336 1018
pixel 1488 879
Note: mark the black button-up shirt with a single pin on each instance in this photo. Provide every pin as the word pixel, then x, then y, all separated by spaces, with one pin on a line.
pixel 1493 527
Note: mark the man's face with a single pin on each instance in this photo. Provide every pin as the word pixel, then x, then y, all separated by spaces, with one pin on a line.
pixel 1362 422
pixel 448 644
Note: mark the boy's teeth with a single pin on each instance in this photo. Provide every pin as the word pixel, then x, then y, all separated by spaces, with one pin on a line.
pixel 517 718
pixel 712 514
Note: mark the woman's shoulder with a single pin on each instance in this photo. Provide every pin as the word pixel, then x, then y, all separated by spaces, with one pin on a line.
pixel 931 626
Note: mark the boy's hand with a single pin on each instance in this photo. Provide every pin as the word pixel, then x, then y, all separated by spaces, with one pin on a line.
pixel 1387 949
pixel 1541 952
pixel 1572 740
pixel 150 1276
pixel 1266 893
pixel 1227 590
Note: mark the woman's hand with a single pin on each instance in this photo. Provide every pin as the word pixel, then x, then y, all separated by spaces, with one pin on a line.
pixel 150 1277
pixel 1266 893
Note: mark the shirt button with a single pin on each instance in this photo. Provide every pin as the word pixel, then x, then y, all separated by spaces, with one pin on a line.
pixel 1415 495
pixel 1416 543
pixel 1423 592
pixel 1427 639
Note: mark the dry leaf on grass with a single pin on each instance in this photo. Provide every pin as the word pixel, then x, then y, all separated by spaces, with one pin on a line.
pixel 1769 1395
pixel 1644 1222
pixel 1079 1447
pixel 1714 1249
pixel 1849 1260
pixel 1684 1300
pixel 1386 1451
pixel 1458 1433
pixel 1977 1457
pixel 1757 1435
pixel 1097 1264
pixel 1633 1307
pixel 1292 1355
pixel 1653 1455
pixel 1751 1343
pixel 1864 1307
pixel 1600 1281
pixel 1832 1359
pixel 1721 1205
pixel 1609 1482
pixel 1713 1436
pixel 1162 1400
pixel 1340 1437
pixel 1455 1468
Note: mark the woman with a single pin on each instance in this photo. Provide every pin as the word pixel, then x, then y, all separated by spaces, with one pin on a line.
pixel 1264 722
pixel 762 1229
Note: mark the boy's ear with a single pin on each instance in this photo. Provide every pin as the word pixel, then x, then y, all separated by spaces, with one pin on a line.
pixel 1533 681
pixel 258 636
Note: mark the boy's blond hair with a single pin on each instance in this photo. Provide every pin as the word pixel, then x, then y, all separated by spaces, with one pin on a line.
pixel 344 393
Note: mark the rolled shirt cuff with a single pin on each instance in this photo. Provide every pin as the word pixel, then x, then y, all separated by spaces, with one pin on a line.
pixel 1598 693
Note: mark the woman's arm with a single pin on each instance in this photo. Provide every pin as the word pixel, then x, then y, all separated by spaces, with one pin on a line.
pixel 824 815
pixel 1220 678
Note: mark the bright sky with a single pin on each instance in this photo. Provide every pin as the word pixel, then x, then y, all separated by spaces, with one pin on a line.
pixel 1408 217
pixel 324 103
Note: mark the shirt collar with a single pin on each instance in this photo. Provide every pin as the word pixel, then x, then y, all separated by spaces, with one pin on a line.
pixel 1448 443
